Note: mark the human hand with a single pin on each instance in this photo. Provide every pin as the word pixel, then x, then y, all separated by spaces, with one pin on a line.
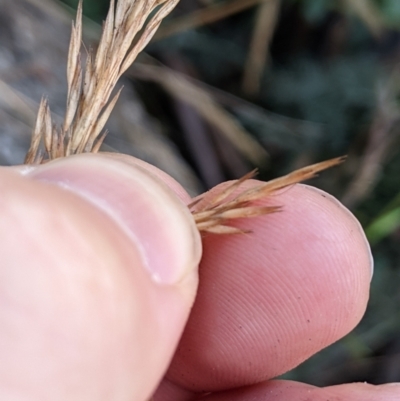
pixel 98 280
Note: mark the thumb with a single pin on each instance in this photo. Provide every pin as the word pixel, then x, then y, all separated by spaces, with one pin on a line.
pixel 98 272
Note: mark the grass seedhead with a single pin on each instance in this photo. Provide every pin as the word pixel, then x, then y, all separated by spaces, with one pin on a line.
pixel 90 100
pixel 129 26
pixel 214 216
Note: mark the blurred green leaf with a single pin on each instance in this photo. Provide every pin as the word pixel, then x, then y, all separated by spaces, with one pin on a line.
pixel 383 226
pixel 391 10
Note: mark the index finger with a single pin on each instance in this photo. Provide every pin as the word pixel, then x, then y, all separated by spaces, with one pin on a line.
pixel 270 299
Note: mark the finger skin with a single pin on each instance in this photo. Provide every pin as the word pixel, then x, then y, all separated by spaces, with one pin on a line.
pixel 81 317
pixel 230 262
pixel 178 190
pixel 282 390
pixel 270 299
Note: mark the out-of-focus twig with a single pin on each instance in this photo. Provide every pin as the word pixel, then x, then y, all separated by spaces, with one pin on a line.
pixel 382 136
pixel 206 106
pixel 196 132
pixel 204 16
pixel 266 19
pixel 369 14
pixel 282 130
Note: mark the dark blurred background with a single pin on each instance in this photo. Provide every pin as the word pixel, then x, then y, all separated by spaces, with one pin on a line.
pixel 227 86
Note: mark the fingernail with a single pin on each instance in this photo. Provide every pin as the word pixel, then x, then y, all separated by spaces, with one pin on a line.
pixel 155 219
pixel 352 217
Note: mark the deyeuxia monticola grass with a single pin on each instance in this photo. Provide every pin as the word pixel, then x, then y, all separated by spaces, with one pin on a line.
pixel 129 26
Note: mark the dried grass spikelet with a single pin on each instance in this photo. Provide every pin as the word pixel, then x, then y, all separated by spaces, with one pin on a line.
pixel 216 214
pixel 89 106
pixel 90 88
